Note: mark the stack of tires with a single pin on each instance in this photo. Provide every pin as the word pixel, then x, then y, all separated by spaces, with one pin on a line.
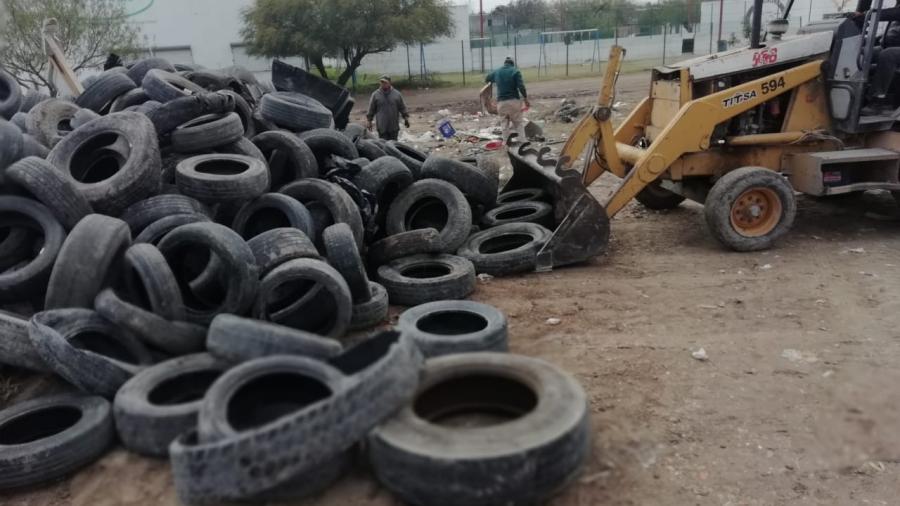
pixel 190 249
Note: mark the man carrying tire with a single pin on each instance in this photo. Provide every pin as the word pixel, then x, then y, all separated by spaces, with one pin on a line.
pixel 386 106
pixel 509 106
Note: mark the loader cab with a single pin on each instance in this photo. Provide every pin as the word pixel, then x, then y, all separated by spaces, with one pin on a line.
pixel 848 72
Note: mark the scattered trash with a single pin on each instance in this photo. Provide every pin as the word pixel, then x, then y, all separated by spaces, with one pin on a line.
pixel 765 267
pixel 484 277
pixel 533 131
pixel 553 321
pixel 858 251
pixel 700 355
pixel 827 374
pixel 493 145
pixel 568 112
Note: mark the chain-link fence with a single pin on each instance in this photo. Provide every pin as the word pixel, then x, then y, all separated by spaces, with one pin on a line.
pixel 558 54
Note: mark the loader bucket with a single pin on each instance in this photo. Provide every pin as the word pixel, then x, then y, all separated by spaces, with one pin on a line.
pixel 581 224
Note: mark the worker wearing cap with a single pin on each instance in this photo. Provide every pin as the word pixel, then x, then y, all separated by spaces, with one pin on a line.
pixel 510 94
pixel 386 106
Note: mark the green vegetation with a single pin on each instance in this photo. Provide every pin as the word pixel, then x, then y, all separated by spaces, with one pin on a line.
pixel 344 29
pixel 85 29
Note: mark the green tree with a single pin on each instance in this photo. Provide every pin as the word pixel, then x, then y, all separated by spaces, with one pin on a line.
pixel 346 29
pixel 87 30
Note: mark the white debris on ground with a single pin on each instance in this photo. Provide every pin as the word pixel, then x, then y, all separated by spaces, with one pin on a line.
pixel 700 355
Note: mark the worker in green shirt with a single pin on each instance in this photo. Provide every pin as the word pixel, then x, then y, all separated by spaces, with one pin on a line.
pixel 510 94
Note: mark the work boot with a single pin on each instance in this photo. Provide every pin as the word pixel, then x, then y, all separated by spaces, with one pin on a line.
pixel 877 106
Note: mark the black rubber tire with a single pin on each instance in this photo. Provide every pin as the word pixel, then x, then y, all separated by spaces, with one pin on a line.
pixel 19 244
pixel 151 282
pixel 87 350
pixel 382 373
pixel 102 92
pixel 505 249
pixel 354 132
pixel 372 312
pixel 242 276
pixel 343 255
pixel 274 247
pixel 295 111
pixel 10 95
pixel 82 117
pixel 409 155
pixel 285 486
pixel 655 197
pixel 446 327
pixel 155 231
pixel 270 211
pixel 52 437
pixel 161 402
pixel 522 195
pixel 244 111
pixel 325 142
pixel 525 211
pixel 51 187
pixel 243 147
pixel 384 178
pixel 165 86
pixel 167 336
pixel 31 98
pixel 20 120
pixel 448 277
pixel 212 80
pixel 85 154
pixel 16 349
pixel 169 115
pixel 222 178
pixel 324 308
pixel 11 145
pixel 726 191
pixel 88 260
pixel 522 461
pixel 30 280
pixel 472 181
pixel 46 118
pixel 328 204
pixel 132 98
pixel 237 340
pixel 432 203
pixel 31 147
pixel 404 244
pixel 370 150
pixel 207 132
pixel 289 158
pixel 141 214
pixel 141 67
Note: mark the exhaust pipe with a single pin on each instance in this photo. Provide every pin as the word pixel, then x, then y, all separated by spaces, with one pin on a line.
pixel 756 24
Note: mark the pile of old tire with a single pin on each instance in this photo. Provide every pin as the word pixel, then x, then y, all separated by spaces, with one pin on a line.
pixel 172 225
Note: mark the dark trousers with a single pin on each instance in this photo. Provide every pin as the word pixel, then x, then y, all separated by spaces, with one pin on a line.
pixel 888 62
pixel 388 136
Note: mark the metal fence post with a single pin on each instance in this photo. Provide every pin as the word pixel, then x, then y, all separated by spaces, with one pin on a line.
pixel 567 58
pixel 665 36
pixel 408 64
pixel 462 52
pixel 516 46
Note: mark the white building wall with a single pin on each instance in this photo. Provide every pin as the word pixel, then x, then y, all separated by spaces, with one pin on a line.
pixel 208 33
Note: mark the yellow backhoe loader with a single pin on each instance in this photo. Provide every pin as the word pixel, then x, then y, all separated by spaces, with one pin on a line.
pixel 739 131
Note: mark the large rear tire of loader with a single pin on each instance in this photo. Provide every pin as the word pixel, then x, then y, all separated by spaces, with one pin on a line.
pixel 655 197
pixel 750 208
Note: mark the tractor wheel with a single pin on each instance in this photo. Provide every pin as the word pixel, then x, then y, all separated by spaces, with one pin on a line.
pixel 748 209
pixel 655 197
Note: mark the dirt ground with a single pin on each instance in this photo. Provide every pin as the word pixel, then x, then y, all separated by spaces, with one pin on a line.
pixel 798 402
